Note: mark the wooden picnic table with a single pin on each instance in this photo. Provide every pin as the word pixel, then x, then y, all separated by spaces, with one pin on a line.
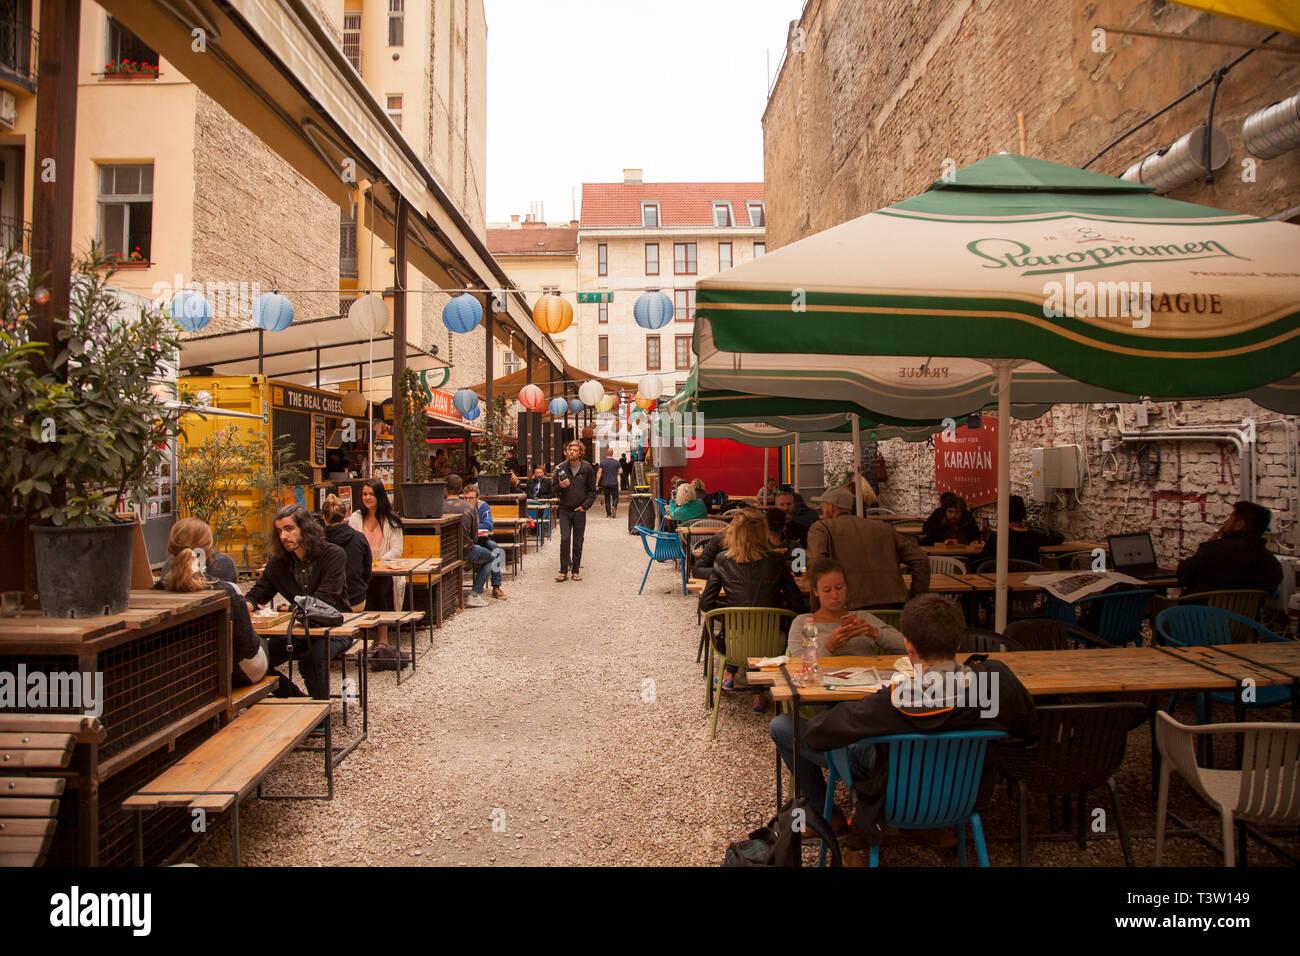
pixel 954 550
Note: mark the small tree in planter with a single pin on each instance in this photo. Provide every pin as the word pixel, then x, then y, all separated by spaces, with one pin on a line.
pixel 421 497
pixel 86 435
pixel 496 425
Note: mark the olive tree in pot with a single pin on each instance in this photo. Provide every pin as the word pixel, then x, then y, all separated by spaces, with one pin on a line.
pixel 494 478
pixel 85 435
pixel 421 496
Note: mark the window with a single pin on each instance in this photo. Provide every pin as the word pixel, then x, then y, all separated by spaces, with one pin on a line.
pixel 396 16
pixel 125 47
pixel 684 305
pixel 395 109
pixel 126 211
pixel 550 290
pixel 602 345
pixel 721 213
pixel 652 353
pixel 683 343
pixel 756 217
pixel 347 245
pixel 602 259
pixel 650 215
pixel 724 256
pixel 511 362
pixel 652 258
pixel 684 258
pixel 602 313
pixel 352 38
pixel 760 249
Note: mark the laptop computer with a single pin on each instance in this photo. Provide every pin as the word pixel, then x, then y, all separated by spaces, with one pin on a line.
pixel 1132 554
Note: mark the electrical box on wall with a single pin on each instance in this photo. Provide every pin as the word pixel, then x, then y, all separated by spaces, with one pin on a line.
pixel 1054 468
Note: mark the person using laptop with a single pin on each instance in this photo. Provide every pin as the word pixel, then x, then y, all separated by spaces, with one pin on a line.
pixel 1235 557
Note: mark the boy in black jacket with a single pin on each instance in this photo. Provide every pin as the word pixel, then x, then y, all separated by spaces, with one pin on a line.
pixel 575 485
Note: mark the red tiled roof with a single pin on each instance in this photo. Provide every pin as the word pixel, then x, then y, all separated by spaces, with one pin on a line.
pixel 522 242
pixel 680 204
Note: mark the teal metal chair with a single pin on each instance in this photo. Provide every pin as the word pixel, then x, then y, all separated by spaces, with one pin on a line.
pixel 661 512
pixel 667 547
pixel 747 632
pixel 933 782
pixel 1121 614
pixel 540 511
pixel 1245 603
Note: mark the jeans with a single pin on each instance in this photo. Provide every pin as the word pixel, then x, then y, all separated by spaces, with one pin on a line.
pixel 312 661
pixel 491 546
pixel 480 558
pixel 573 526
pixel 611 498
pixel 811 762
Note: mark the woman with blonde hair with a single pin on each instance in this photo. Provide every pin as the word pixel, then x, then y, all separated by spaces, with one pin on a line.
pixel 194 533
pixel 686 507
pixel 189 568
pixel 752 575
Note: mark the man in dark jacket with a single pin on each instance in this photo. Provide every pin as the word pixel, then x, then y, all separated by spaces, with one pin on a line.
pixel 943 696
pixel 709 551
pixel 608 478
pixel 575 482
pixel 625 472
pixel 360 562
pixel 538 487
pixel 303 562
pixel 1236 557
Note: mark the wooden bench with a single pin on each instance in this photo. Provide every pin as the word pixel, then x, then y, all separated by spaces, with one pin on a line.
pixel 396 620
pixel 221 771
pixel 242 698
pixel 29 805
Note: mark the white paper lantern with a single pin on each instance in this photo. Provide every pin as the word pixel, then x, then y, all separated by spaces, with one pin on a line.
pixel 591 393
pixel 369 314
pixel 652 386
pixel 354 404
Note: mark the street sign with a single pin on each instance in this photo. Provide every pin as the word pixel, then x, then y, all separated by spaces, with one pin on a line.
pixel 584 297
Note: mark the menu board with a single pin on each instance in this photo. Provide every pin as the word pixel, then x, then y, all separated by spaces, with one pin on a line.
pixel 318 441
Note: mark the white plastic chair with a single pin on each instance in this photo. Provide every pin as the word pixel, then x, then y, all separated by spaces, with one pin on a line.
pixel 941 564
pixel 1266 790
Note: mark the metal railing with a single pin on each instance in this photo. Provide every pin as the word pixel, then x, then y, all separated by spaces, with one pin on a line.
pixel 348 248
pixel 15 234
pixel 18 51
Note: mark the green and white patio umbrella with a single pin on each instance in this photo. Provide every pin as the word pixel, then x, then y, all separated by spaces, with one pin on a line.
pixel 1053 278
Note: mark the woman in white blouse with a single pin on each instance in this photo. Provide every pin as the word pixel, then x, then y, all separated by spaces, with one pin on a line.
pixel 377 520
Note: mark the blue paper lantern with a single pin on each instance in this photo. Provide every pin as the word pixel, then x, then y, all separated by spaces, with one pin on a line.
pixel 576 405
pixel 191 310
pixel 272 312
pixel 653 310
pixel 465 401
pixel 558 407
pixel 472 414
pixel 462 314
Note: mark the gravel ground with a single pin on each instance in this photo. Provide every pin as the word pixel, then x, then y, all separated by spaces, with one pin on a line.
pixel 565 725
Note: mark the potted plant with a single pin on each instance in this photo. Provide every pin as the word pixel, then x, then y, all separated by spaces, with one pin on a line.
pixel 421 496
pixel 89 432
pixel 493 478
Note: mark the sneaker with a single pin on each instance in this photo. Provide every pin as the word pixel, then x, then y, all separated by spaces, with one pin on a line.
pixel 499 594
pixel 475 600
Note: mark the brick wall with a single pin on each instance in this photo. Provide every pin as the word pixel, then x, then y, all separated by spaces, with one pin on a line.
pixel 871 100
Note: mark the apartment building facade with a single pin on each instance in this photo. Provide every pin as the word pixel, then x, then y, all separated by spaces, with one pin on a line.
pixel 635 236
pixel 542 259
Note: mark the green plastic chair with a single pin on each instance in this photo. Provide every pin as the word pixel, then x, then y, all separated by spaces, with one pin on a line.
pixel 1245 603
pixel 890 615
pixel 749 632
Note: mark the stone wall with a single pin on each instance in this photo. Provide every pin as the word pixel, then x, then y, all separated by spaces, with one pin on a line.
pixel 257 221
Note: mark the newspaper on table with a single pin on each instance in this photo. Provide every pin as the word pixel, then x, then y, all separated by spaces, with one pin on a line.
pixel 1071 586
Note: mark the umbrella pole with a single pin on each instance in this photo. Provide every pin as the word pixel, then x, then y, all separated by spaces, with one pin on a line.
pixel 1003 370
pixel 857 462
pixel 794 465
pixel 762 484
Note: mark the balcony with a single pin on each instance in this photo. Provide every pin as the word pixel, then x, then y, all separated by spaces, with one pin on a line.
pixel 18 59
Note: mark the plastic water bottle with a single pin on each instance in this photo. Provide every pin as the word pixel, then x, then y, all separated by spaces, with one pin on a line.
pixel 812 671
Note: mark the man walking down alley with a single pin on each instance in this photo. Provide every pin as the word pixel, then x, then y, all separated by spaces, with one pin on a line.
pixel 575 484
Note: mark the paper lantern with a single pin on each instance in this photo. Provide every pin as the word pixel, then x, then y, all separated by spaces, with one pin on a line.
pixel 272 312
pixel 653 310
pixel 575 405
pixel 531 397
pixel 354 404
pixel 558 406
pixel 191 310
pixel 606 403
pixel 462 314
pixel 552 314
pixel 369 314
pixel 645 403
pixel 465 401
pixel 588 431
pixel 591 393
pixel 472 414
pixel 652 386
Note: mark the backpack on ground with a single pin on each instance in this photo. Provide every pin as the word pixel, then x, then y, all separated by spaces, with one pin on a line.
pixel 778 843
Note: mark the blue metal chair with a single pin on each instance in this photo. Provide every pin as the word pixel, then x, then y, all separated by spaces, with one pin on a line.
pixel 661 512
pixel 667 547
pixel 1121 617
pixel 933 782
pixel 540 511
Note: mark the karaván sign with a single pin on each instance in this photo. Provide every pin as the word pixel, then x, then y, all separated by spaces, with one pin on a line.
pixel 966 462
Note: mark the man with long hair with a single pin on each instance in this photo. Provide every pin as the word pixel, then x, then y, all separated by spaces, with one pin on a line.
pixel 575 483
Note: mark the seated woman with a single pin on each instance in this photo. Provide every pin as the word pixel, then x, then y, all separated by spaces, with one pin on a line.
pixel 194 533
pixel 852 634
pixel 189 568
pixel 378 522
pixel 303 562
pixel 952 521
pixel 685 507
pixel 752 575
pixel 354 545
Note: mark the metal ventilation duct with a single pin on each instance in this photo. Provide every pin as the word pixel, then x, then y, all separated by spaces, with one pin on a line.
pixel 1273 130
pixel 1180 163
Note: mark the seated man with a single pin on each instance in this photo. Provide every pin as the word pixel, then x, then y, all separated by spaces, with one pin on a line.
pixel 484 537
pixel 1235 558
pixel 932 628
pixel 796 532
pixel 477 557
pixel 539 486
pixel 952 522
pixel 1025 541
pixel 303 562
pixel 870 552
pixel 767 494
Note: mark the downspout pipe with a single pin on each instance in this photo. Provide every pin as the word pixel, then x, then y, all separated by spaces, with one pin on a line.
pixel 1237 436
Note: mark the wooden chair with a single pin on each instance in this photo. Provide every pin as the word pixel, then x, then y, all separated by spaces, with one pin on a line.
pixel 29 805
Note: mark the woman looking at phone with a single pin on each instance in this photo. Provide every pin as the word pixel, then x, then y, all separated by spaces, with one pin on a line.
pixel 841 633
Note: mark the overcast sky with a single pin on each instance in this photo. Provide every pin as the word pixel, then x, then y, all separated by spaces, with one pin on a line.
pixel 580 89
